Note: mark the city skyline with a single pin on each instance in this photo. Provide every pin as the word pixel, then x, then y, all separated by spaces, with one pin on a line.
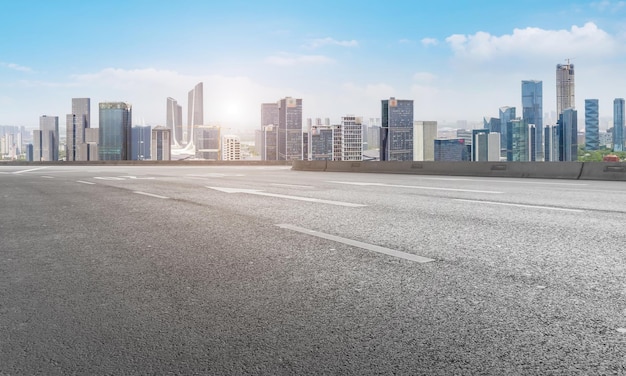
pixel 251 52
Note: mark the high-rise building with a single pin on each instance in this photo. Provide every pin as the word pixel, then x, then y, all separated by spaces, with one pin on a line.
pixel 195 111
pixel 140 142
pixel 564 87
pixel 568 135
pixel 521 140
pixel 424 135
pixel 174 121
pixel 618 124
pixel 351 134
pixel 320 143
pixel 396 133
pixel 451 150
pixel 485 145
pixel 493 125
pixel 290 129
pixel 266 142
pixel 592 125
pixel 37 146
pixel 75 125
pixel 551 143
pixel 532 113
pixel 269 114
pixel 208 142
pixel 506 115
pixel 49 127
pixel 161 144
pixel 114 132
pixel 231 148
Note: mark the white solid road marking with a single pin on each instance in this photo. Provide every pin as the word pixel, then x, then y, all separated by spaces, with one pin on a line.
pixel 414 187
pixel 47 177
pixel 292 185
pixel 500 180
pixel 298 198
pixel 519 205
pixel 150 194
pixel 355 243
pixel 84 182
pixel 29 170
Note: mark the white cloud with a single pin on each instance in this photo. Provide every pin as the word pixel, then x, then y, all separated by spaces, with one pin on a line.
pixel 533 42
pixel 321 42
pixel 291 59
pixel 608 6
pixel 16 67
pixel 429 42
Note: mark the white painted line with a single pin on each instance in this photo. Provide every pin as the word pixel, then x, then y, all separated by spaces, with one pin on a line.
pixel 29 170
pixel 84 182
pixel 150 194
pixel 415 187
pixel 292 185
pixel 520 205
pixel 48 177
pixel 355 243
pixel 298 198
pixel 501 180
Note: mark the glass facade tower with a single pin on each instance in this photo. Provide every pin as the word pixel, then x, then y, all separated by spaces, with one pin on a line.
pixel 568 135
pixel 592 125
pixel 290 129
pixel 75 126
pixel 396 133
pixel 507 114
pixel 618 124
pixel 195 111
pixel 174 121
pixel 114 133
pixel 532 113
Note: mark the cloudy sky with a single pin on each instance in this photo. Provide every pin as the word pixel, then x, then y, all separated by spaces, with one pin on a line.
pixel 458 60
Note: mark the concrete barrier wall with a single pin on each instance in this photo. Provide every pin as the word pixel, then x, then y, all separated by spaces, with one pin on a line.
pixel 538 170
pixel 604 171
pixel 150 163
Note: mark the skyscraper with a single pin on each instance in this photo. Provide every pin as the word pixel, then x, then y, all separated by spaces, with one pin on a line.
pixel 424 135
pixel 231 148
pixel 452 150
pixel 568 135
pixel 49 127
pixel 351 134
pixel 75 125
pixel 532 113
pixel 521 137
pixel 207 141
pixel 485 145
pixel 618 124
pixel 396 133
pixel 506 115
pixel 195 111
pixel 592 127
pixel 267 137
pixel 114 133
pixel 174 121
pixel 289 129
pixel 564 87
pixel 140 142
pixel 160 145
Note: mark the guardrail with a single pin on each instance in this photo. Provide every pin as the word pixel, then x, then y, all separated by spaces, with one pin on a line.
pixel 540 170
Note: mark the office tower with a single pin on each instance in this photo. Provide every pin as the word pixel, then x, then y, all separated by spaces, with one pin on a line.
pixel 506 115
pixel 75 125
pixel 265 142
pixel 493 125
pixel 351 133
pixel 568 135
pixel 140 137
pixel 207 142
pixel 320 143
pixel 532 113
pixel 174 121
pixel 37 145
pixel 289 129
pixel 424 135
pixel 485 145
pixel 269 114
pixel 564 87
pixel 592 125
pixel 29 153
pixel 161 143
pixel 520 140
pixel 195 111
pixel 551 143
pixel 49 127
pixel 231 148
pixel 453 150
pixel 396 133
pixel 114 132
pixel 618 124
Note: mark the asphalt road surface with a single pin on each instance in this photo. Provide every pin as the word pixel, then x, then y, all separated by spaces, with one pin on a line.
pixel 263 270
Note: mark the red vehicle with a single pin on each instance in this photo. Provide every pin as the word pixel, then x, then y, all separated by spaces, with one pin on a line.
pixel 610 158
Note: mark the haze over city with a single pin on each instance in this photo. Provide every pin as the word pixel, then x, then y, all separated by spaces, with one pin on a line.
pixel 456 61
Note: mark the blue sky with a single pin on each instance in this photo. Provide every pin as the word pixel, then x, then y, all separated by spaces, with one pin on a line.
pixel 458 60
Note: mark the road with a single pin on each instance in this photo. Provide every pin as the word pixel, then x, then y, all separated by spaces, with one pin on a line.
pixel 268 271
